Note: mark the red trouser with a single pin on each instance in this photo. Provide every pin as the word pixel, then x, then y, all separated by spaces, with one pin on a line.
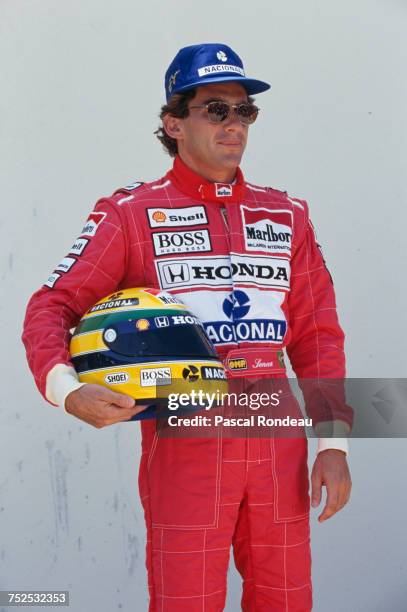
pixel 200 496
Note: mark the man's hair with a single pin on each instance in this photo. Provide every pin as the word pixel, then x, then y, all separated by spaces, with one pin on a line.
pixel 176 107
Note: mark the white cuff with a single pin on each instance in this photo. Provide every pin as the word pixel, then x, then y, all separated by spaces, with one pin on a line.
pixel 335 443
pixel 61 380
pixel 333 428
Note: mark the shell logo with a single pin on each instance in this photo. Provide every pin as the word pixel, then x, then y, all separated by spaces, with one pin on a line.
pixel 159 216
pixel 142 324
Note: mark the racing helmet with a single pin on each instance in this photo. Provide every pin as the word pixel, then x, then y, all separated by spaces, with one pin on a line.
pixel 145 343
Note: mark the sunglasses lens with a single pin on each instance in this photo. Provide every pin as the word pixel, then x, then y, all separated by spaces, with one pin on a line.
pixel 217 111
pixel 247 113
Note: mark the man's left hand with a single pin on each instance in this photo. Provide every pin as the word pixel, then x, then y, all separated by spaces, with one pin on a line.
pixel 330 469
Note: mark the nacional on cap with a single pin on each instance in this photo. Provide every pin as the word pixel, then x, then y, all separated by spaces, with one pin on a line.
pixel 205 64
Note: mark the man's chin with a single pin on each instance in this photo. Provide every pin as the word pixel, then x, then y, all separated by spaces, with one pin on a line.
pixel 231 159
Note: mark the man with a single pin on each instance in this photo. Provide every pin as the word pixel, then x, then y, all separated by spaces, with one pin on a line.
pixel 245 260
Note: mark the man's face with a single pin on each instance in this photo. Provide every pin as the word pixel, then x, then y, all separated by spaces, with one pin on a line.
pixel 213 147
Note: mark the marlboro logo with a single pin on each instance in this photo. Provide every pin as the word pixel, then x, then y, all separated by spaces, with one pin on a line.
pixel 93 223
pixel 223 190
pixel 267 230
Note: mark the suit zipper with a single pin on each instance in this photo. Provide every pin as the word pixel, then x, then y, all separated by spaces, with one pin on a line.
pixel 224 215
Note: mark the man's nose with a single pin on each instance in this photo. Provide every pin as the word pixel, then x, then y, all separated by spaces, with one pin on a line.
pixel 232 122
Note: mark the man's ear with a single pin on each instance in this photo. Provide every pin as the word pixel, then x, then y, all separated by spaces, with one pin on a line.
pixel 173 126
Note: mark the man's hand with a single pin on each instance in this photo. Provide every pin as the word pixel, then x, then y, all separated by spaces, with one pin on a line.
pixel 100 406
pixel 330 469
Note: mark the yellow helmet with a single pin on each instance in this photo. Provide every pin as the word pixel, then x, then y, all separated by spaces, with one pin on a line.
pixel 145 343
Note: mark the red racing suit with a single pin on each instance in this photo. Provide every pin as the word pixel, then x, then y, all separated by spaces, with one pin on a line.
pixel 245 260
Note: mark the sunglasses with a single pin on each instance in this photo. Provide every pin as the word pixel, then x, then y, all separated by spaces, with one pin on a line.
pixel 218 111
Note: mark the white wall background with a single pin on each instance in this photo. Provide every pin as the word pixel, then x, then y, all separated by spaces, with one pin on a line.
pixel 81 86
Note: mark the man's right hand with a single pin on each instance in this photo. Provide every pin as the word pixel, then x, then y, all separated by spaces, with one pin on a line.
pixel 100 406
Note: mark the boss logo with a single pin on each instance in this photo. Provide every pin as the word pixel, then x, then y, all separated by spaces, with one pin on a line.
pixel 174 217
pixel 155 376
pixel 117 378
pixel 181 242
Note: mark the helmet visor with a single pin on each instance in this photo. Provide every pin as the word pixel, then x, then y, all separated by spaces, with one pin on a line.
pixel 172 341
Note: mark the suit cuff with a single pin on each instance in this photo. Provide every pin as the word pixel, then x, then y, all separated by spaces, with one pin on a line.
pixel 333 443
pixel 61 380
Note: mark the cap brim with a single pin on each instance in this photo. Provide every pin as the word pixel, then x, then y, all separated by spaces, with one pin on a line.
pixel 252 86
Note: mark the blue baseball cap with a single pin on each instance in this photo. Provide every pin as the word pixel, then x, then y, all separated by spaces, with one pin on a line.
pixel 205 64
